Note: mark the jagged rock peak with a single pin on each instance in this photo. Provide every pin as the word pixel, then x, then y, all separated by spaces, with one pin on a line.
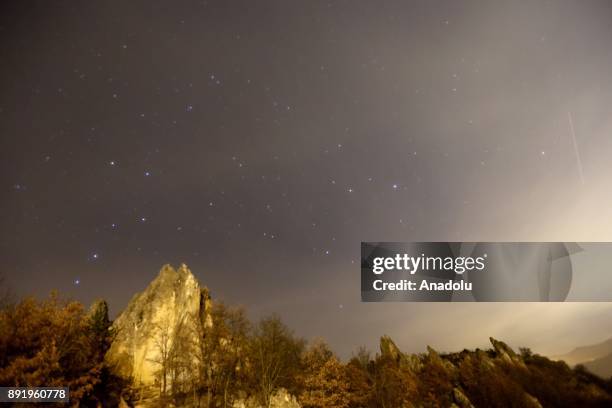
pixel 432 353
pixel 506 353
pixel 172 303
pixel 389 349
pixel 168 274
pixel 501 347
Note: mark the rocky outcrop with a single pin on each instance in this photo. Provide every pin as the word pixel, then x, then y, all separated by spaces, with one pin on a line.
pixel 174 311
pixel 460 399
pixel 506 353
pixel 173 304
pixel 390 350
pixel 448 366
pixel 280 399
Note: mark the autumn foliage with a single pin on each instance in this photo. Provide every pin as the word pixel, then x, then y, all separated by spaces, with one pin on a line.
pixel 58 343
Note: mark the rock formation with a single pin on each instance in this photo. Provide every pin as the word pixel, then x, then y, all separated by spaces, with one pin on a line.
pixel 172 306
pixel 163 338
pixel 389 349
pixel 497 360
pixel 280 399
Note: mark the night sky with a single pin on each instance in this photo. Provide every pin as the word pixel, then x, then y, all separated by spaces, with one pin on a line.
pixel 260 142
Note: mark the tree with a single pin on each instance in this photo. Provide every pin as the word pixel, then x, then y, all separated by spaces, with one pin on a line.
pixel 359 380
pixel 162 344
pixel 392 384
pixel 51 343
pixel 180 361
pixel 6 296
pixel 220 350
pixel 324 381
pixel 274 356
pixel 100 329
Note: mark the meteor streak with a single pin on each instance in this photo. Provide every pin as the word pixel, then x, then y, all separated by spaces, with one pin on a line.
pixel 579 162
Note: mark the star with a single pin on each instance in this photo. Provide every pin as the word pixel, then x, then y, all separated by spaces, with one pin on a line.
pixel 77 282
pixel 350 190
pixel 147 173
pixel 95 256
pixel 112 163
pixel 395 186
pixel 143 219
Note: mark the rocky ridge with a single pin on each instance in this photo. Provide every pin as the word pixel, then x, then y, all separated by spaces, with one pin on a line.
pixel 174 305
pixel 448 366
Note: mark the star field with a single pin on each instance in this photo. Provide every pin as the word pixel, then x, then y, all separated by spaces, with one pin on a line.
pixel 260 143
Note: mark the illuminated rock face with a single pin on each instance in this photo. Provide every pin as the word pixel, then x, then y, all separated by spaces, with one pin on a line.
pixel 172 304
